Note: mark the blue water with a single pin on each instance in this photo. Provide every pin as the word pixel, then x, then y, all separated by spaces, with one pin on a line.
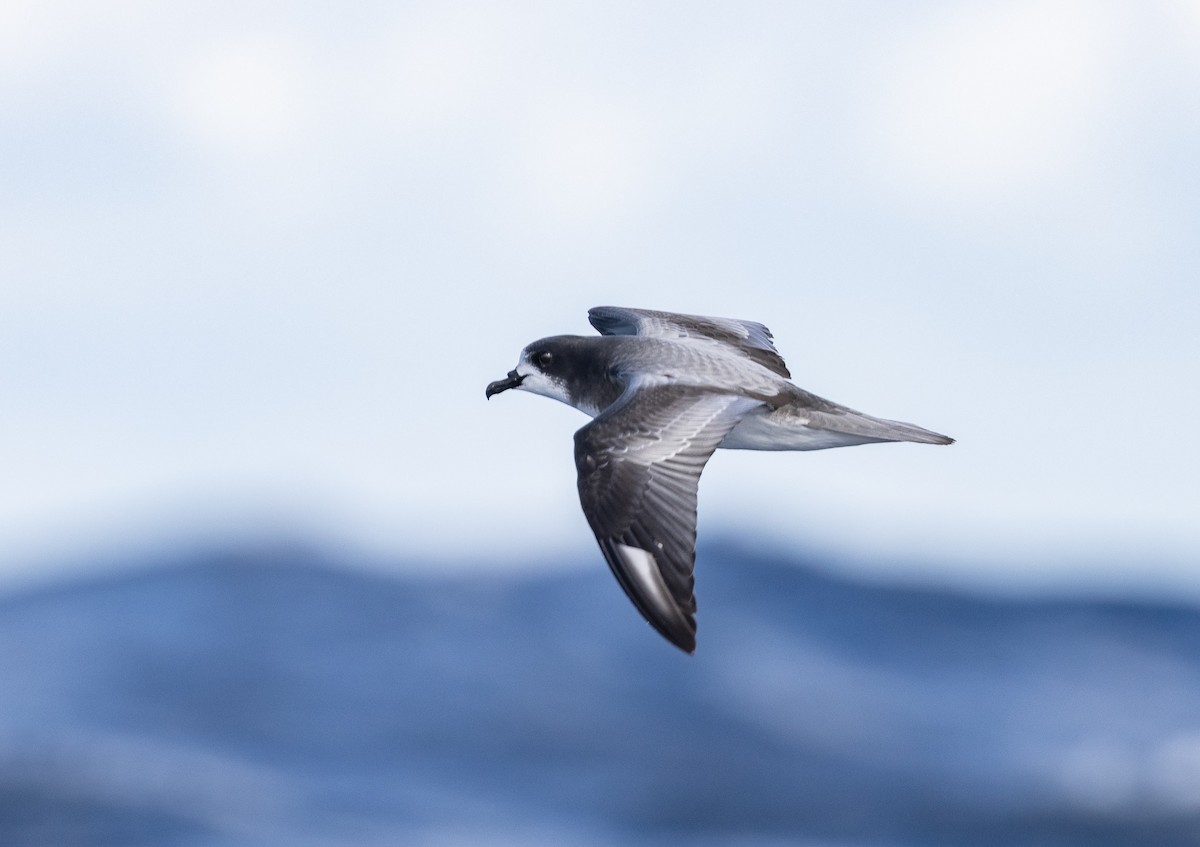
pixel 275 698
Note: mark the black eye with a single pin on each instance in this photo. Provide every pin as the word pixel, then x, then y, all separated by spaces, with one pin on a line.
pixel 542 358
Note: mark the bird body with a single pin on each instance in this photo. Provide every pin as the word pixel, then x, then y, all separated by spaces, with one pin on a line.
pixel 665 391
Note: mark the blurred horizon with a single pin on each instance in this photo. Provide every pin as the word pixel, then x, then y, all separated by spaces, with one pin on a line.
pixel 1112 574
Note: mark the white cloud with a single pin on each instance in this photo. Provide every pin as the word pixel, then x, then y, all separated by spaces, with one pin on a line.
pixel 35 36
pixel 988 101
pixel 1188 13
pixel 587 161
pixel 435 66
pixel 48 41
pixel 28 33
pixel 247 95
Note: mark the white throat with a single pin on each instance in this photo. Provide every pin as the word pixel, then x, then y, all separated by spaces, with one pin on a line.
pixel 536 382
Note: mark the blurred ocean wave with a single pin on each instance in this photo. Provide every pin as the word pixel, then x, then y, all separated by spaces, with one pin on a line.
pixel 281 698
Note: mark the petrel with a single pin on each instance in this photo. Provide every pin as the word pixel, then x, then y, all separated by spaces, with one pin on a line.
pixel 665 390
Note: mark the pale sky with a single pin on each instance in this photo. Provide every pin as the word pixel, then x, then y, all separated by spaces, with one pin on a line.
pixel 257 263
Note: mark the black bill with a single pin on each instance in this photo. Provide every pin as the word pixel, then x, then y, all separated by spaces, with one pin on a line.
pixel 511 381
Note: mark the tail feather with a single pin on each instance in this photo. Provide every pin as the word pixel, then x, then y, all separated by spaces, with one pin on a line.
pixel 857 424
pixel 801 426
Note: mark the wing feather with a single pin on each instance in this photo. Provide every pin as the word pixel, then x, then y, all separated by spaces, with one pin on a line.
pixel 751 339
pixel 639 466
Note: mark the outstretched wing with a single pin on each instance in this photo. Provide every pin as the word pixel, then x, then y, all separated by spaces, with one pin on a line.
pixel 751 339
pixel 639 465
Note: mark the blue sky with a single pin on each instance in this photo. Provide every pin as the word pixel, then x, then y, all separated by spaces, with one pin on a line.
pixel 258 263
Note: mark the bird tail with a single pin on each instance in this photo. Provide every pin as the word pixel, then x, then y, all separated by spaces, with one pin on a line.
pixel 850 422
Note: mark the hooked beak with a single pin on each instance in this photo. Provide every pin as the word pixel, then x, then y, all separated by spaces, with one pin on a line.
pixel 511 381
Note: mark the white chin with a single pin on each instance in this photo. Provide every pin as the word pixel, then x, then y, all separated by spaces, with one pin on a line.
pixel 537 383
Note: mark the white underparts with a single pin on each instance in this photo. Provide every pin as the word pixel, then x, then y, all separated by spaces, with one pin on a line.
pixel 783 429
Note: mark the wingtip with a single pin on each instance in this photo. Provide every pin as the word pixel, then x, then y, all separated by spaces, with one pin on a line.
pixel 685 643
pixel 687 649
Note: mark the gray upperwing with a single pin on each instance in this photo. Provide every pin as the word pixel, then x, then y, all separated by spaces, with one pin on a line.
pixel 750 338
pixel 639 466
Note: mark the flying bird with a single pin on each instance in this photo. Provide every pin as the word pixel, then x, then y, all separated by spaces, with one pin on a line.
pixel 666 390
